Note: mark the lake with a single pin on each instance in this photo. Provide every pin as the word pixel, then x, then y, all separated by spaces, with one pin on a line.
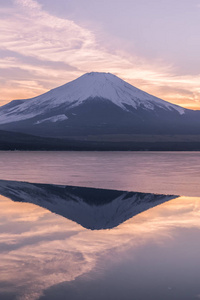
pixel 156 172
pixel 99 225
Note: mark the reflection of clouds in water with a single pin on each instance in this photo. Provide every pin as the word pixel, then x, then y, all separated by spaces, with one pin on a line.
pixel 34 268
pixel 46 249
pixel 36 251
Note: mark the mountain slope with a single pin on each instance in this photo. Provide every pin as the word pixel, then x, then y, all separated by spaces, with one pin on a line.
pixel 97 103
pixel 89 86
pixel 91 208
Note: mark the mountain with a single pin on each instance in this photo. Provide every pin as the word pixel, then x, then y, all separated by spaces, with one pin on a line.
pixel 92 208
pixel 97 104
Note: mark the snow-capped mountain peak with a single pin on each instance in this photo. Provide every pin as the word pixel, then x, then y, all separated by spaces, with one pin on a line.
pixel 88 86
pixel 97 104
pixel 111 87
pixel 106 86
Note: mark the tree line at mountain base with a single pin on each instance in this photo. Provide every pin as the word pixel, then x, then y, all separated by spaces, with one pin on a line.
pixel 18 141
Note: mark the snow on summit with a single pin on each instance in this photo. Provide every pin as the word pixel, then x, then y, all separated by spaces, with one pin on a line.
pixel 88 86
pixel 107 86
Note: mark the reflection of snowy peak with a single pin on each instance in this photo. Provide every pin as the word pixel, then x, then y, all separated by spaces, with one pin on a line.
pixel 89 207
pixel 95 103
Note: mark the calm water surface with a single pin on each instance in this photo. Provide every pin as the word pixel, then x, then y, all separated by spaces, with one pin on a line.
pixel 61 242
pixel 157 172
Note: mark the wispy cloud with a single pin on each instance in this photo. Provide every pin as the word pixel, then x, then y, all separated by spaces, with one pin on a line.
pixel 51 51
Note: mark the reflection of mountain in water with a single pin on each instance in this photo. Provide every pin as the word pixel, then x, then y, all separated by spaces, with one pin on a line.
pixel 92 208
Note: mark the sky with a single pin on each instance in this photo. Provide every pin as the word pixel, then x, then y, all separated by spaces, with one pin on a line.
pixel 154 45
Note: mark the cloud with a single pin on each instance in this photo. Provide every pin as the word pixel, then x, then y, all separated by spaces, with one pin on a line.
pixel 29 3
pixel 52 51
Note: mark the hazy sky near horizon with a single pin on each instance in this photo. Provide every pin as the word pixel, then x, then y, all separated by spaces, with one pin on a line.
pixel 153 45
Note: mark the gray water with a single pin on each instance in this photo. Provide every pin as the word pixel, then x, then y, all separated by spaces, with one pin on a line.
pixel 158 172
pixel 47 252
